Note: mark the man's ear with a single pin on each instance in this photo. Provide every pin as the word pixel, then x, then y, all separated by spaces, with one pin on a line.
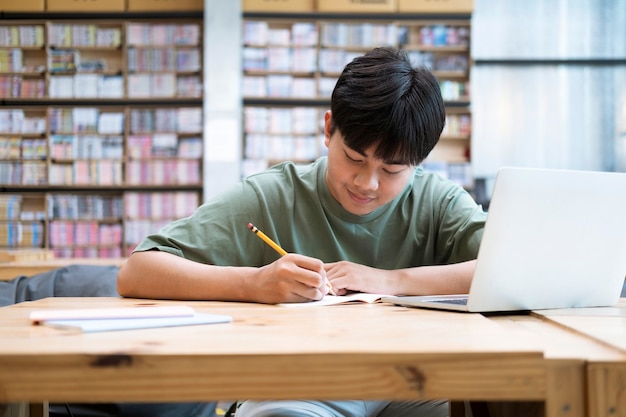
pixel 328 126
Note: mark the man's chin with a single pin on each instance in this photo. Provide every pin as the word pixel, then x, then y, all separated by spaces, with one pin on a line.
pixel 358 209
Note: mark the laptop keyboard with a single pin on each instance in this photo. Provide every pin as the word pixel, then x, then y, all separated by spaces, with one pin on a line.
pixel 459 301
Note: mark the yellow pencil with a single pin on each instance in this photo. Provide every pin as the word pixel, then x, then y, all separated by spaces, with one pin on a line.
pixel 278 249
pixel 267 240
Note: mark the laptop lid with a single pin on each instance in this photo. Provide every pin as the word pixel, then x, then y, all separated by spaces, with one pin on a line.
pixel 553 239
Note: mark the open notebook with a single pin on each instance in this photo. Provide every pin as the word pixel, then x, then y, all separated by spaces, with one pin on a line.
pixel 329 300
pixel 553 239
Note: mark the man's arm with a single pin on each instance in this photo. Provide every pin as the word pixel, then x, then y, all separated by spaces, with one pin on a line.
pixel 161 275
pixel 425 280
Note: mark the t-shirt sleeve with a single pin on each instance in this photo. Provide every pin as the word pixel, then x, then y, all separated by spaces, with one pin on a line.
pixel 216 233
pixel 461 226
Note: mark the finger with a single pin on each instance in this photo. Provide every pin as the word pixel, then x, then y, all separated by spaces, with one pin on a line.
pixel 309 271
pixel 329 287
pixel 330 266
pixel 304 293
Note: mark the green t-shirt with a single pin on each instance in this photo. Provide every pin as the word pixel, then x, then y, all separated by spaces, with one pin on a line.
pixel 432 222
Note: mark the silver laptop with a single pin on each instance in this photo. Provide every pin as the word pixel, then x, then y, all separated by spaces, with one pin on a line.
pixel 553 239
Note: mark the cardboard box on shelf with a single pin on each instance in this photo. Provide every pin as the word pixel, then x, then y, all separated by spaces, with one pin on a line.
pixel 357 6
pixel 85 5
pixel 278 5
pixel 22 6
pixel 436 6
pixel 165 5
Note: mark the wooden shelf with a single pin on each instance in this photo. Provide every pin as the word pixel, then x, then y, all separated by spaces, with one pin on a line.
pixel 440 42
pixel 71 175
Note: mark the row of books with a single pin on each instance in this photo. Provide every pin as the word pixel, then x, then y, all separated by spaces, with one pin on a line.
pixel 457 125
pixel 16 121
pixel 93 120
pixel 136 230
pixel 68 86
pixel 282 147
pixel 86 172
pixel 458 172
pixel 71 60
pixel 90 35
pixel 300 59
pixel 278 120
pixel 103 172
pixel 164 145
pixel 23 173
pixel 75 207
pixel 260 33
pixel 358 34
pixel 151 206
pixel 455 90
pixel 11 60
pixel 133 205
pixel 63 60
pixel 86 147
pixel 280 86
pixel 88 252
pixel 15 147
pixel 435 35
pixel 92 225
pixel 456 62
pixel 84 233
pixel 264 33
pixel 303 60
pixel 287 86
pixel 164 172
pixel 163 34
pixel 85 120
pixel 307 61
pixel 181 120
pixel 22 35
pixel 164 85
pixel 267 121
pixel 21 234
pixel 10 206
pixel 164 59
pixel 86 85
pixel 18 86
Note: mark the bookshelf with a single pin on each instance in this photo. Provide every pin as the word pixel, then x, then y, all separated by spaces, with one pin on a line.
pixel 291 63
pixel 101 130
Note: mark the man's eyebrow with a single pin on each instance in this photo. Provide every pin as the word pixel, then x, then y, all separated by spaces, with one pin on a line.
pixel 388 162
pixel 362 153
pixel 396 162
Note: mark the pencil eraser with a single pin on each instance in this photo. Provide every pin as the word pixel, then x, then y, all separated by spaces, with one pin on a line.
pixel 250 226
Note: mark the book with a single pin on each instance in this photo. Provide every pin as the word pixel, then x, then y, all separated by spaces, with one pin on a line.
pixel 42 316
pixel 89 320
pixel 101 325
pixel 330 300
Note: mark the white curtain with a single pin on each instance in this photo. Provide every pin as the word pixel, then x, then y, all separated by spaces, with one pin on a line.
pixel 548 85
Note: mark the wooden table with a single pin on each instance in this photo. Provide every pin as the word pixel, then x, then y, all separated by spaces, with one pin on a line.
pixel 606 373
pixel 350 351
pixel 10 270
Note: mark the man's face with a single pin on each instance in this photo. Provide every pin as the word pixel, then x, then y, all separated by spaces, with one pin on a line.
pixel 358 181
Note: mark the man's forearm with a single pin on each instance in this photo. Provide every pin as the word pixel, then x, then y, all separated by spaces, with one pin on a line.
pixel 161 275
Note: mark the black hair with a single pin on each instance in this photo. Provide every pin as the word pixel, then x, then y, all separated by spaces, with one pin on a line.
pixel 381 99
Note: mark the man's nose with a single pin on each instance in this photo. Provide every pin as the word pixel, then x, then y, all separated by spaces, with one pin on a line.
pixel 366 180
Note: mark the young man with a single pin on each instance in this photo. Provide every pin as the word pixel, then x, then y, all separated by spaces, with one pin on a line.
pixel 365 218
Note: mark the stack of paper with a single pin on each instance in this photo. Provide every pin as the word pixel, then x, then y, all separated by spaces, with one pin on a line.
pixel 123 318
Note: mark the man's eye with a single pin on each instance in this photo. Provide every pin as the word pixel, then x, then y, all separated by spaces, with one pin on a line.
pixel 393 172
